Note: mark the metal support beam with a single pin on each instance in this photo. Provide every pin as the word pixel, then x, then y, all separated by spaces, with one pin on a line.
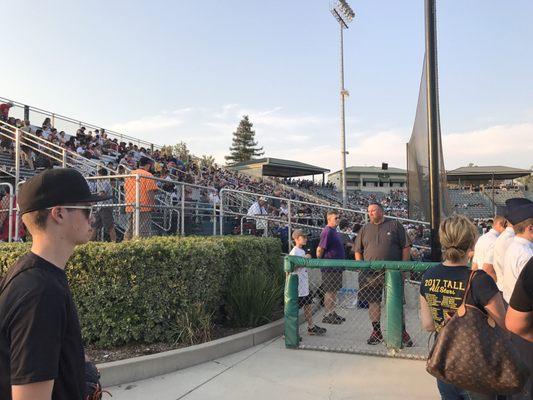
pixel 433 125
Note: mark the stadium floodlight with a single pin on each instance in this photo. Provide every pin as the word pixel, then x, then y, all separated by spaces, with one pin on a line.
pixel 344 14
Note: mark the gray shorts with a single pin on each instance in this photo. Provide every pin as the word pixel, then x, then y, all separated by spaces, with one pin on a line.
pixel 104 219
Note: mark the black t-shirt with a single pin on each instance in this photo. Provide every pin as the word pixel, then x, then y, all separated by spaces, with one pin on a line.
pixel 522 298
pixel 40 336
pixel 444 288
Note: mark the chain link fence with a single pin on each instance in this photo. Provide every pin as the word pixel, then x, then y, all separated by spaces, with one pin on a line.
pixel 355 307
pixel 143 206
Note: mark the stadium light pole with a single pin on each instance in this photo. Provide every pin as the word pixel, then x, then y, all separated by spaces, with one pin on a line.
pixel 344 14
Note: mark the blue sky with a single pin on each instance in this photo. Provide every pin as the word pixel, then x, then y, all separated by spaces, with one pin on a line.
pixel 181 70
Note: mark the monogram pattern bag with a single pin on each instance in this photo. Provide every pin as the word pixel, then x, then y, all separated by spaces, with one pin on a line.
pixel 473 353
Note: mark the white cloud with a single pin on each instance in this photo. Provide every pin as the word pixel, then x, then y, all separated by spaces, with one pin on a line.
pixel 314 139
pixel 510 145
pixel 162 121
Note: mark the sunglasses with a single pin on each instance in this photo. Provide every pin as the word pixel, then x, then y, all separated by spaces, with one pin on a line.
pixel 88 211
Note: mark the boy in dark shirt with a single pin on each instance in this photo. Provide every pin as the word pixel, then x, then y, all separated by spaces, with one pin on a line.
pixel 41 350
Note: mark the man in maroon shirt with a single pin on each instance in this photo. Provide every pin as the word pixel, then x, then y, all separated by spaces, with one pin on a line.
pixel 4 110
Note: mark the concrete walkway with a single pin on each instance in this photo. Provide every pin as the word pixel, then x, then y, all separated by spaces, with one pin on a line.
pixel 271 372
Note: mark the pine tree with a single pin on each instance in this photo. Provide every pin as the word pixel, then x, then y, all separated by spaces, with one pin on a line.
pixel 244 147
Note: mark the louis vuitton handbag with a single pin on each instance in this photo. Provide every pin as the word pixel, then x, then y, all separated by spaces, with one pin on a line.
pixel 473 353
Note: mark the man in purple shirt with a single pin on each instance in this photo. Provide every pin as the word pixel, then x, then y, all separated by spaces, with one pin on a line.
pixel 331 247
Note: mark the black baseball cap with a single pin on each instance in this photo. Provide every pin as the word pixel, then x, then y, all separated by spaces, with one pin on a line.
pixel 55 187
pixel 520 213
pixel 510 204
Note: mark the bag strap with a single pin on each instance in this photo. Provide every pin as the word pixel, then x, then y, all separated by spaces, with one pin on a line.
pixel 462 308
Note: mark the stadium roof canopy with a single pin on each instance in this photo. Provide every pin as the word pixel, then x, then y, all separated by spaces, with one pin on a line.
pixel 277 167
pixel 372 170
pixel 499 173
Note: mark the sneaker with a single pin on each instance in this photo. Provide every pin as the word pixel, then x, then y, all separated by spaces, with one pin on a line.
pixel 338 316
pixel 375 338
pixel 406 339
pixel 332 319
pixel 316 330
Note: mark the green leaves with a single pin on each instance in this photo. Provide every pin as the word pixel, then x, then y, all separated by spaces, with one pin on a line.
pixel 159 289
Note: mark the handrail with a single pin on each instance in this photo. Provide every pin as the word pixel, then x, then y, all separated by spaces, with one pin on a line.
pixel 36 140
pixel 118 135
pixel 322 205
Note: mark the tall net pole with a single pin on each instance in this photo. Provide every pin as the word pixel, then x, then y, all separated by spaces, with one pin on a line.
pixel 433 125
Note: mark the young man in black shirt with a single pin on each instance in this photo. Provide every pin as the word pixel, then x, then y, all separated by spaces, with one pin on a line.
pixel 41 351
pixel 519 319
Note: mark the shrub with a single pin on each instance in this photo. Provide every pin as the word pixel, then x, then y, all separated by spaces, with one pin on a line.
pixel 140 290
pixel 252 297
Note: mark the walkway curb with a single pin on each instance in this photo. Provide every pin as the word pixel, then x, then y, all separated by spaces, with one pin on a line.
pixel 144 367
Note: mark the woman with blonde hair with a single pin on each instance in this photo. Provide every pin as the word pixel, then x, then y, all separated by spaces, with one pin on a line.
pixel 443 287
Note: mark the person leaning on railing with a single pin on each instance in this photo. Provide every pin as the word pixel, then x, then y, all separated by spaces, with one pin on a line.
pixel 443 286
pixel 147 189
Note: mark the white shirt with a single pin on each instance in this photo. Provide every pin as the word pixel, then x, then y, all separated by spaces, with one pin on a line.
pixel 303 275
pixel 484 250
pixel 516 257
pixel 500 246
pixel 256 209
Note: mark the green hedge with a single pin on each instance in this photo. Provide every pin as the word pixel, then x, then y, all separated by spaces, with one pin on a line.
pixel 139 291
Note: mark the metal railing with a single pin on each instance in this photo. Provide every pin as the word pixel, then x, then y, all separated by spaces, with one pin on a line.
pixel 55 118
pixel 57 154
pixel 139 215
pixel 241 200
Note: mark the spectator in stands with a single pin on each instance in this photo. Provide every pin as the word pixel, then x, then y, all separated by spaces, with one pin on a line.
pixel 519 319
pixel 259 208
pixel 103 218
pixel 4 111
pixel 47 124
pixel 147 190
pixel 4 219
pixel 457 237
pixel 305 299
pixel 484 250
pixel 384 240
pixel 331 247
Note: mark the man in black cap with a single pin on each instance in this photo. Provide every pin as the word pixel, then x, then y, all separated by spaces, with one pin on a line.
pixel 521 248
pixel 41 351
pixel 516 257
pixel 505 239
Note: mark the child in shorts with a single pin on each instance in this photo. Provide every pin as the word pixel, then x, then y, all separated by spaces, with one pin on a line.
pixel 305 300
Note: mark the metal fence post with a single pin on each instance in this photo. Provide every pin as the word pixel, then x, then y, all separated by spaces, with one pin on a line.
pixel 289 209
pixel 182 210
pixel 214 216
pixel 10 224
pixel 64 158
pixel 394 306
pixel 137 205
pixel 221 213
pixel 291 308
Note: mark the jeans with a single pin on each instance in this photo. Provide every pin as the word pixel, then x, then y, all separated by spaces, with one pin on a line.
pixel 451 392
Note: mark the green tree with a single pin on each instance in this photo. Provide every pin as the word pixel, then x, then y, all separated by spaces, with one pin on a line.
pixel 244 147
pixel 207 161
pixel 181 151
